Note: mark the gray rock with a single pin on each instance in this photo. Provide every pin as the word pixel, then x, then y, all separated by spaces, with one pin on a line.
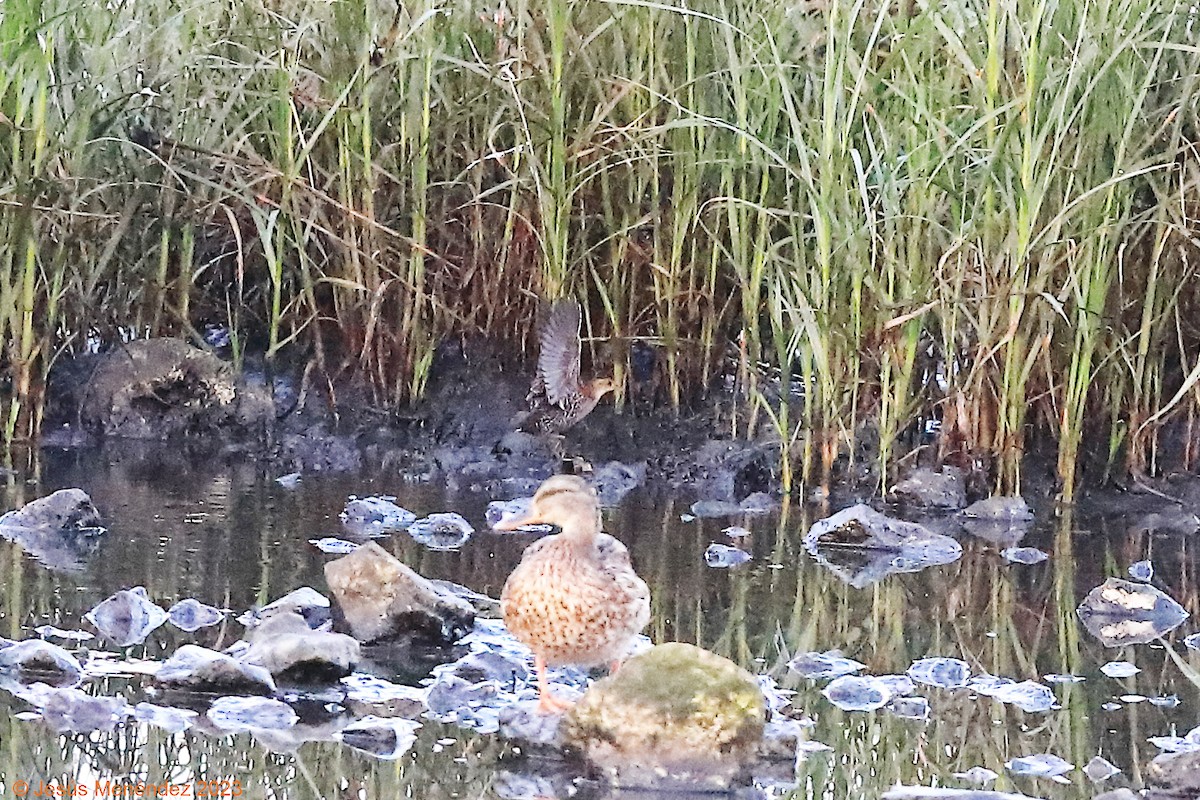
pixel 197 669
pixel 191 615
pixel 674 716
pixel 375 516
pixel 65 510
pixel 172 720
pixel 522 722
pixel 381 598
pixel 1001 520
pixel 759 504
pixel 70 710
pixel 925 488
pixel 251 714
pixel 862 546
pixel 161 388
pixel 1172 519
pixel 715 508
pixel 306 601
pixel 291 651
pixel 1119 794
pixel 441 531
pixel 127 617
pixel 1120 612
pixel 385 738
pixel 999 508
pixel 614 480
pixel 1176 776
pixel 34 657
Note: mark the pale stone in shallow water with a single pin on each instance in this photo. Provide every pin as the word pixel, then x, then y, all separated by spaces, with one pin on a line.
pixel 380 598
pixel 926 488
pixel 286 647
pixel 36 657
pixel 198 669
pixel 1120 612
pixel 674 716
pixel 127 617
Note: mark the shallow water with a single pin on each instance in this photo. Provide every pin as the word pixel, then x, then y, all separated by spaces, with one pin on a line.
pixel 231 537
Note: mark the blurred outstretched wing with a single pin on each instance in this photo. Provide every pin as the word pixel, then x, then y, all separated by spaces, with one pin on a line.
pixel 558 359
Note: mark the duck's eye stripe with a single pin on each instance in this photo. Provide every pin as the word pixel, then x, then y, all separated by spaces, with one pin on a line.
pixel 552 493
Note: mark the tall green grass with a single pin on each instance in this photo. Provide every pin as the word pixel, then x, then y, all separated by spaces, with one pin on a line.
pixel 864 195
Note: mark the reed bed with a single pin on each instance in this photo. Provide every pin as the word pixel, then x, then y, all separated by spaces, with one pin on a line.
pixel 975 212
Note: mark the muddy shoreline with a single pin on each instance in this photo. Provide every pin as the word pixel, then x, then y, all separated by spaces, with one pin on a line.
pixel 463 435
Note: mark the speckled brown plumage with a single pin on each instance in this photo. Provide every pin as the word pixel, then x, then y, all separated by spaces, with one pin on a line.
pixel 558 398
pixel 574 598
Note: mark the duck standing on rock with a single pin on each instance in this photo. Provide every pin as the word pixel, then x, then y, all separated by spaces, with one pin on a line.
pixel 558 398
pixel 574 598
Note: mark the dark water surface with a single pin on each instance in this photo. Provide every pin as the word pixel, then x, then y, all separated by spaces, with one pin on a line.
pixel 232 537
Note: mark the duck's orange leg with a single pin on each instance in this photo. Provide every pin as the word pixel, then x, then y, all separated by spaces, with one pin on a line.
pixel 613 666
pixel 548 703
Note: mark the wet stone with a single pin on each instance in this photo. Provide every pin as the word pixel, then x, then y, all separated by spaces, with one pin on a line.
pixel 51 632
pixel 909 707
pixel 926 488
pixel 380 598
pixel 503 510
pixel 306 601
pixel 854 693
pixel 1024 555
pixel 995 509
pixel 523 722
pixel 451 694
pixel 172 720
pixel 1058 678
pixel 1141 571
pixel 198 669
pixel 251 713
pixel 287 648
pixel 615 480
pixel 334 546
pixel 758 504
pixel 901 546
pixel 898 685
pixel 66 511
pixel 127 617
pixel 723 555
pixel 945 673
pixel 1100 769
pixel 375 516
pixel 386 738
pixel 191 615
pixel 1043 765
pixel 818 666
pixel 1029 696
pixel 1119 669
pixel 978 776
pixel 1119 612
pixel 1177 776
pixel 1188 743
pixel 441 531
pixel 705 509
pixel 1192 642
pixel 289 481
pixel 489 665
pixel 34 657
pixel 782 736
pixel 736 532
pixel 75 711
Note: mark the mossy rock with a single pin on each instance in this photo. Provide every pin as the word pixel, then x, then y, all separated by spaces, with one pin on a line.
pixel 674 716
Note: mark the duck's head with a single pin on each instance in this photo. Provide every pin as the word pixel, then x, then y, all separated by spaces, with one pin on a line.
pixel 565 501
pixel 598 387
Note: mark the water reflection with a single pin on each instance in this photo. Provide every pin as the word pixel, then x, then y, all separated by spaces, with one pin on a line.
pixel 230 536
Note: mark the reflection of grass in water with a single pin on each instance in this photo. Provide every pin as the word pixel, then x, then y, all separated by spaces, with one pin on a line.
pixel 750 613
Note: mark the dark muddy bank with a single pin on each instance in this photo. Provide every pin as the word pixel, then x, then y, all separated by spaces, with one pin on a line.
pixel 464 434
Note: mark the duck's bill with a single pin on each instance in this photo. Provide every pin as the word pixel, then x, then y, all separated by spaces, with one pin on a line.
pixel 516 522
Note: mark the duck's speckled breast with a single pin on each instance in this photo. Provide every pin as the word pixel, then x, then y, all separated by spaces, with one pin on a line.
pixel 576 605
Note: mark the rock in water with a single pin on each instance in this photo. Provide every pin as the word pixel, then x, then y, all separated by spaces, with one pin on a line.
pixel 615 480
pixel 862 545
pixel 1120 612
pixel 191 615
pixel 441 531
pixel 197 669
pixel 380 598
pixel 127 617
pixel 305 601
pixel 286 647
pixel 74 711
pixel 674 716
pixel 1176 776
pixel 68 510
pixel 925 488
pixel 34 657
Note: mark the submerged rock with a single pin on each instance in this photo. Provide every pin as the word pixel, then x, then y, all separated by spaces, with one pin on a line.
pixel 999 509
pixel 1142 571
pixel 944 673
pixel 162 388
pixel 715 508
pixel 127 617
pixel 171 720
pixel 758 504
pixel 863 546
pixel 831 664
pixel 723 555
pixel 441 531
pixel 381 598
pixel 305 601
pixel 287 648
pixel 1024 555
pixel 1119 612
pixel 197 669
pixel 375 516
pixel 70 710
pixel 251 713
pixel 855 693
pixel 35 657
pixel 61 531
pixel 614 480
pixel 926 488
pixel 674 716
pixel 67 510
pixel 191 615
pixel 1043 765
pixel 1175 776
pixel 385 738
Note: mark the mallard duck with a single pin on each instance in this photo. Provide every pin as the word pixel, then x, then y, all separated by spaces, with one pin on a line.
pixel 574 598
pixel 558 398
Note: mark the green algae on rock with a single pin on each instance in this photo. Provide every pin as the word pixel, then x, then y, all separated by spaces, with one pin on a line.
pixel 674 716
